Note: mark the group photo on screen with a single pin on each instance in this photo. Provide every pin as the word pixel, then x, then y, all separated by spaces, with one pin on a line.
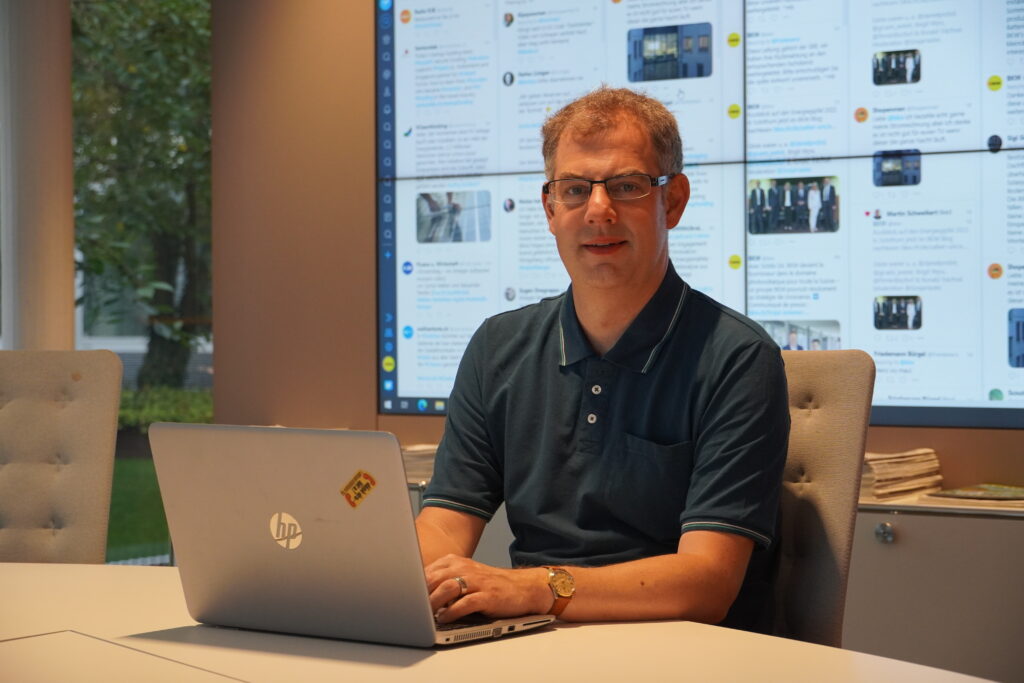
pixel 896 167
pixel 664 52
pixel 804 335
pixel 453 216
pixel 897 67
pixel 792 205
pixel 898 313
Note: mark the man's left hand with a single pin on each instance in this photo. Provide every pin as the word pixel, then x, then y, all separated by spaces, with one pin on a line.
pixel 485 589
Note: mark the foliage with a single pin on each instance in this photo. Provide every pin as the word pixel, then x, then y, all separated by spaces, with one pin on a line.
pixel 137 527
pixel 141 105
pixel 139 409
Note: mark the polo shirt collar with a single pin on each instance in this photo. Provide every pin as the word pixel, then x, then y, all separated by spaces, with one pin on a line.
pixel 637 349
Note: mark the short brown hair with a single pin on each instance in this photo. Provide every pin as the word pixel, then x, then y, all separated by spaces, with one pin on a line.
pixel 605 108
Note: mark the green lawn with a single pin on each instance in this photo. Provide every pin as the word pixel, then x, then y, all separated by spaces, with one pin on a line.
pixel 137 524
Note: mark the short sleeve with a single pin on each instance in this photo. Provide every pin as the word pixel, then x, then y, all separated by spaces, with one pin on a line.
pixel 467 472
pixel 740 451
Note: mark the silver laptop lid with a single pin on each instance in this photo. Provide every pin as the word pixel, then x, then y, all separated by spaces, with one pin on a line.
pixel 295 530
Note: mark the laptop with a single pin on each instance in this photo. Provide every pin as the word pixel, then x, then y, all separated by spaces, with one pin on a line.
pixel 301 531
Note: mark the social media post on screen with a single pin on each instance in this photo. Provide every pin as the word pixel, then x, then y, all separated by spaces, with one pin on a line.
pixel 1003 65
pixel 689 56
pixel 1003 315
pixel 1001 267
pixel 797 240
pixel 915 76
pixel 542 65
pixel 917 301
pixel 446 82
pixel 796 83
pixel 529 266
pixel 707 246
pixel 446 271
pixel 805 335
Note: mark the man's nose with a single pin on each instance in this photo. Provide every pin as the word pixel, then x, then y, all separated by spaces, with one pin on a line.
pixel 599 206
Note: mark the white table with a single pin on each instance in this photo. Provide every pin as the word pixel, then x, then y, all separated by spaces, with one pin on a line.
pixel 109 623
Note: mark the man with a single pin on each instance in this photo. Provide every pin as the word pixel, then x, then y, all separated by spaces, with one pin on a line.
pixel 774 206
pixel 788 206
pixel 801 208
pixel 634 428
pixel 828 206
pixel 792 345
pixel 755 209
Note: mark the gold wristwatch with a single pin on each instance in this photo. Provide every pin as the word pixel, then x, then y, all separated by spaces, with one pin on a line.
pixel 563 586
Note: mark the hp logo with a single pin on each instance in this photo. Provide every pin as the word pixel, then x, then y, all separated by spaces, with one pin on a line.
pixel 286 531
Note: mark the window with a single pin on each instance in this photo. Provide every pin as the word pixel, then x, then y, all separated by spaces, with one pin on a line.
pixel 141 107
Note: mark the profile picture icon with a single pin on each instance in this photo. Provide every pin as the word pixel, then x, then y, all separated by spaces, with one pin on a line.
pixel 508 19
pixel 860 114
pixel 995 143
pixel 509 205
pixel 510 293
pixel 878 214
pixel 508 78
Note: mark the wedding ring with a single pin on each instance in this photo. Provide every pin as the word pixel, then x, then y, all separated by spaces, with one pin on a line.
pixel 463 586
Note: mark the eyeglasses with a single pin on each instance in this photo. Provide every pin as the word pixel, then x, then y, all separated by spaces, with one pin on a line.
pixel 619 188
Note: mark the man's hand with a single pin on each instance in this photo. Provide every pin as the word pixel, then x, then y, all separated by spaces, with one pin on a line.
pixel 489 590
pixel 698 582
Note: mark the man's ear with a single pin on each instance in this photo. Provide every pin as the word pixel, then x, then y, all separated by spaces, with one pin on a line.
pixel 677 194
pixel 549 210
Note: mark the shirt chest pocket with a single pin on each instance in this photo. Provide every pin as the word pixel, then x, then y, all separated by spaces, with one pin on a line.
pixel 647 485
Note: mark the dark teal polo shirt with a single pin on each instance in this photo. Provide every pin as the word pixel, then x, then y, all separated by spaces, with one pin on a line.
pixel 682 425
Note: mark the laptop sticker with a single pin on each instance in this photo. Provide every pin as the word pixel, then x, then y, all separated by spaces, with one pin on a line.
pixel 356 490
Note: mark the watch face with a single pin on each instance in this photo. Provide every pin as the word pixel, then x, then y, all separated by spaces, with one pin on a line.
pixel 563 583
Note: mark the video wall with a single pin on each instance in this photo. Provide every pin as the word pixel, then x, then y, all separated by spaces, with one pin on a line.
pixel 857 171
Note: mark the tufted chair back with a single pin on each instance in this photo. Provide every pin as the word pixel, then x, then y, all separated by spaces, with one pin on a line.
pixel 58 425
pixel 829 404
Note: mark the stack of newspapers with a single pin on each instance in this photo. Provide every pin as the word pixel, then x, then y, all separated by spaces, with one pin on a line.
pixel 888 475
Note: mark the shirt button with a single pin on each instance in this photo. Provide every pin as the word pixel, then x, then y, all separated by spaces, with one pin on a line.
pixel 596 389
pixel 591 418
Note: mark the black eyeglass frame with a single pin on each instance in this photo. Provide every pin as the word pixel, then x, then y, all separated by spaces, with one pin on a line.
pixel 656 181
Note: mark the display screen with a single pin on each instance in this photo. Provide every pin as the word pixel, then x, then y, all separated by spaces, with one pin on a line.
pixel 857 175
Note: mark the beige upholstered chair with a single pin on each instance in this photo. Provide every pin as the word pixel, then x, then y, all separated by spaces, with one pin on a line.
pixel 58 425
pixel 830 404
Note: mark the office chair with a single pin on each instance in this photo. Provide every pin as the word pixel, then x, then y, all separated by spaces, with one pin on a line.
pixel 58 426
pixel 829 405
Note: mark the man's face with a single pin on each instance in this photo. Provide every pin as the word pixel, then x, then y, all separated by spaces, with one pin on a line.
pixel 614 244
pixel 792 339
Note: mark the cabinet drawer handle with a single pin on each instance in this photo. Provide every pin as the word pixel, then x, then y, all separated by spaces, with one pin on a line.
pixel 885 533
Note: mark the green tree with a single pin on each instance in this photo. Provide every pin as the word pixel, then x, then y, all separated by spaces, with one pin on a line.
pixel 141 103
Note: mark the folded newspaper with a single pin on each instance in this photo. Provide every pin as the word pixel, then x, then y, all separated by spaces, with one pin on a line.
pixel 888 475
pixel 997 495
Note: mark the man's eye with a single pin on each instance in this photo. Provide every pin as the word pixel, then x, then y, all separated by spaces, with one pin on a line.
pixel 576 190
pixel 627 187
